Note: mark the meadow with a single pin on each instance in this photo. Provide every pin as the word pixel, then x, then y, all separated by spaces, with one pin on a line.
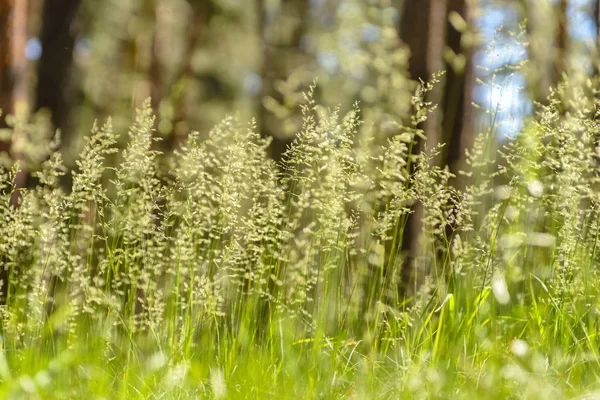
pixel 218 273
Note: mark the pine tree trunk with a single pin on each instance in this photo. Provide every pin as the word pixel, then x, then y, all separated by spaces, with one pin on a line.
pixel 425 28
pixel 200 14
pixel 422 30
pixel 456 104
pixel 282 32
pixel 562 41
pixel 6 99
pixel 6 74
pixel 18 65
pixel 596 17
pixel 547 58
pixel 57 36
pixel 13 38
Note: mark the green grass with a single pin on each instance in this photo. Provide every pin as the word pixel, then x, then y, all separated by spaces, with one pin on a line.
pixel 229 276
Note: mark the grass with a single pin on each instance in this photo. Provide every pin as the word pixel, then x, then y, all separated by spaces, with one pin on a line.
pixel 229 276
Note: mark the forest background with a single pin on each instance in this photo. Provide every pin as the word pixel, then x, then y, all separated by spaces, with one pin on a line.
pixel 202 60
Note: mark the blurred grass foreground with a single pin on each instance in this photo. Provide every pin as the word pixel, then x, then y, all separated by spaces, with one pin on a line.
pixel 420 222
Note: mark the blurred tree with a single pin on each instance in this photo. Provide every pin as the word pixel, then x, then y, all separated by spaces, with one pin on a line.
pixel 422 29
pixel 456 109
pixel 436 32
pixel 112 67
pixel 561 62
pixel 190 56
pixel 596 18
pixel 595 10
pixel 6 98
pixel 285 64
pixel 58 33
pixel 170 73
pixel 13 36
pixel 6 78
pixel 548 59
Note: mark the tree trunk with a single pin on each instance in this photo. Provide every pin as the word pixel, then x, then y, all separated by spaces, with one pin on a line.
pixel 6 75
pixel 201 13
pixel 457 123
pixel 282 31
pixel 422 30
pixel 561 62
pixel 13 36
pixel 596 17
pixel 18 32
pixel 547 58
pixel 6 100
pixel 54 68
pixel 426 29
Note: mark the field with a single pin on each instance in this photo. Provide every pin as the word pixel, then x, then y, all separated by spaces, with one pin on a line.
pixel 230 276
